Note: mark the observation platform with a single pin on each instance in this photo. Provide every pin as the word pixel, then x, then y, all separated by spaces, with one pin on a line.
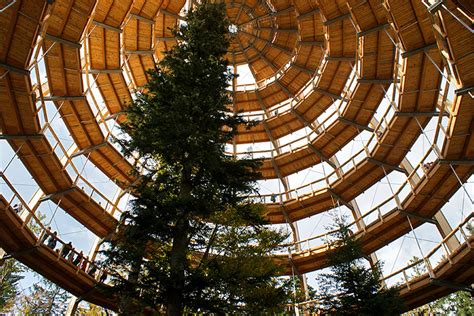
pixel 335 71
pixel 21 243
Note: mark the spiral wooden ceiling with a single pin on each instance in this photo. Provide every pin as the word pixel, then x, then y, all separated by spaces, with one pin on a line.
pixel 329 69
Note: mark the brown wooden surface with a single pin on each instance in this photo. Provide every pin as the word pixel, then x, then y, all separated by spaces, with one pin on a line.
pixel 19 241
pixel 458 270
pixel 124 38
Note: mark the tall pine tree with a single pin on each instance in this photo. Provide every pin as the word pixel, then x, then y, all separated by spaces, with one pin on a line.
pixel 353 288
pixel 192 241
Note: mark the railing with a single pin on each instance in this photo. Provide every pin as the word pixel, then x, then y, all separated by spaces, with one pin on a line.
pixel 434 5
pixel 294 145
pixel 49 132
pixel 94 192
pixel 405 274
pixel 316 128
pixel 346 166
pixel 262 84
pixel 375 139
pixel 42 234
pixel 391 204
pixel 427 260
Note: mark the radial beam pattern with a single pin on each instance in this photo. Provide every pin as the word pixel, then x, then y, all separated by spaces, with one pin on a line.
pixel 352 96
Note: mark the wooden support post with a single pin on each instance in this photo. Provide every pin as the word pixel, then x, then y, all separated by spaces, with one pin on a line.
pixel 15 69
pixel 439 219
pixel 464 162
pixel 141 18
pixel 374 29
pixel 340 199
pixel 303 69
pixel 64 98
pixel 103 71
pixel 165 39
pixel 22 137
pixel 452 285
pixel 444 229
pixel 321 155
pixel 340 58
pixel 389 166
pixel 310 43
pixel 377 81
pixel 277 30
pixel 107 27
pixel 72 306
pixel 56 194
pixel 327 93
pixel 88 149
pixel 166 12
pixel 62 41
pixel 336 19
pixel 419 50
pixel 465 90
pixel 421 218
pixel 307 14
pixel 285 89
pixel 138 52
pixel 422 114
pixel 359 126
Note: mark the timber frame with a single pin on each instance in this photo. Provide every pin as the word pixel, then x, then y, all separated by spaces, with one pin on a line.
pixel 331 70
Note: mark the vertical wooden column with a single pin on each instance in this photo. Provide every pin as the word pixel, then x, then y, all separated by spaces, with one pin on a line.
pixel 441 222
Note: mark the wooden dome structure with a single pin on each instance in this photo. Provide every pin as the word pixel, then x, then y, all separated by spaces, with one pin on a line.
pixel 321 75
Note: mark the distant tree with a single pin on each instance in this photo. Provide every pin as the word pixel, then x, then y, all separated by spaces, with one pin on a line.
pixel 192 240
pixel 459 303
pixel 353 288
pixel 299 295
pixel 44 298
pixel 10 275
pixel 91 310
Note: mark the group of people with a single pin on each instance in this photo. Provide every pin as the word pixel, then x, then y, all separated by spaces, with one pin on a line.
pixel 50 239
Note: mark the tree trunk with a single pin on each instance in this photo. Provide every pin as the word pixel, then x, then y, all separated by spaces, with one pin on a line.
pixel 127 305
pixel 178 260
pixel 178 266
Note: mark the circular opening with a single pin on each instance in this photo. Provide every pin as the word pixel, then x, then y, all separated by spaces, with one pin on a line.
pixel 233 29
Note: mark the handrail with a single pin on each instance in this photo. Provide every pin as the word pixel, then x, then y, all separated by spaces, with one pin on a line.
pixel 390 111
pixel 413 264
pixel 378 206
pixel 311 136
pixel 457 229
pixel 263 83
pixel 87 266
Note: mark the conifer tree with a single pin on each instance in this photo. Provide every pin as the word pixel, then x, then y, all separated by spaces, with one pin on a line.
pixel 352 287
pixel 43 298
pixel 192 241
pixel 10 276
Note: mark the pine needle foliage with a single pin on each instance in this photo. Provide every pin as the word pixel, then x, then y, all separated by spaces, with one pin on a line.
pixel 191 240
pixel 44 298
pixel 10 275
pixel 352 287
